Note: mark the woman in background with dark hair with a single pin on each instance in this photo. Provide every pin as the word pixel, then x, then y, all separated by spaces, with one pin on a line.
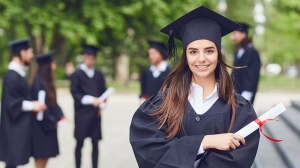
pixel 45 143
pixel 191 122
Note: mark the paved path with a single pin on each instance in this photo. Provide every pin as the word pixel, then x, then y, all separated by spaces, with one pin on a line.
pixel 115 150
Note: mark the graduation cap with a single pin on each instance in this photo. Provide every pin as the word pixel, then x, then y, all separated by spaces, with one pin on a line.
pixel 161 47
pixel 200 23
pixel 45 58
pixel 90 50
pixel 245 27
pixel 18 45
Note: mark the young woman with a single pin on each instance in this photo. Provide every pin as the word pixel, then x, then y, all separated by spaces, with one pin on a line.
pixel 45 143
pixel 191 122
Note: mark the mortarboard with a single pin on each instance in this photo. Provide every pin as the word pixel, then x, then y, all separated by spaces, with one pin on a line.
pixel 18 45
pixel 200 23
pixel 244 28
pixel 161 47
pixel 90 50
pixel 45 58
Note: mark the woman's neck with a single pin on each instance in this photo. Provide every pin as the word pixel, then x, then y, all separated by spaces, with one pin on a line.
pixel 208 84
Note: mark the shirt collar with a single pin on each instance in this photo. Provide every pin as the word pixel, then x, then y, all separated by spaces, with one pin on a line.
pixel 161 67
pixel 197 89
pixel 85 68
pixel 89 71
pixel 17 67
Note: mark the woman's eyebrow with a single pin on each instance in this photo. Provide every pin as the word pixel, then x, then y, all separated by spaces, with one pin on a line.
pixel 193 49
pixel 209 48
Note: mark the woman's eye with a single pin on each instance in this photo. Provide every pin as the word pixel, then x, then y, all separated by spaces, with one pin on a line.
pixel 193 52
pixel 210 51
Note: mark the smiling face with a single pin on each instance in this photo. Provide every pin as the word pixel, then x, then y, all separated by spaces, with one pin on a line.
pixel 202 58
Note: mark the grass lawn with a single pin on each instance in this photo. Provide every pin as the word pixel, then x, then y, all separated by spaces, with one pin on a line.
pixel 279 83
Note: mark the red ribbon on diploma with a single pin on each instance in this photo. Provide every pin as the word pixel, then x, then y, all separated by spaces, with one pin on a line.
pixel 261 123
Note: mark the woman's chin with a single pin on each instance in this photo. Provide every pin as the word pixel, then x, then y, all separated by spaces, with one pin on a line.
pixel 202 75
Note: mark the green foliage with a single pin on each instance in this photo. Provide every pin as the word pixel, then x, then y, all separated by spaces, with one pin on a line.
pixel 60 73
pixel 124 26
pixel 283 31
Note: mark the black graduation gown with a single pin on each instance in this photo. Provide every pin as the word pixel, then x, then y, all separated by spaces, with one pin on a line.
pixel 246 79
pixel 44 137
pixel 151 85
pixel 15 128
pixel 152 149
pixel 87 120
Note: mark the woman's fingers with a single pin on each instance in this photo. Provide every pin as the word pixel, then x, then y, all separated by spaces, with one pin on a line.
pixel 236 143
pixel 239 138
pixel 232 146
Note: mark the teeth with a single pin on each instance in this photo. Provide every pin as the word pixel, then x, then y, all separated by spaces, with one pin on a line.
pixel 203 66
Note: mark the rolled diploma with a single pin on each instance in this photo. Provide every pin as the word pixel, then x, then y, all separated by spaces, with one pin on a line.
pixel 105 95
pixel 271 114
pixel 41 99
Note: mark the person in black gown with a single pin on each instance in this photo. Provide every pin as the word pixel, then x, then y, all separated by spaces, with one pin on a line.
pixel 87 85
pixel 153 77
pixel 191 122
pixel 245 79
pixel 44 135
pixel 17 108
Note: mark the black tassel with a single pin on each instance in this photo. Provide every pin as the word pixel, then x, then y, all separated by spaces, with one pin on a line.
pixel 171 47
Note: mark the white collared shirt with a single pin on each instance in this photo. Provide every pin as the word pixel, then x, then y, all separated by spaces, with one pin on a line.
pixel 27 106
pixel 17 67
pixel 156 71
pixel 90 72
pixel 201 105
pixel 240 52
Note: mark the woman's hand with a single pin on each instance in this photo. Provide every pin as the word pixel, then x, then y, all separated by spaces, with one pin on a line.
pixel 223 142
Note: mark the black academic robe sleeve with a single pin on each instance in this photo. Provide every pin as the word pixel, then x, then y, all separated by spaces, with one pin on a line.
pixel 150 146
pixel 243 156
pixel 75 87
pixel 251 74
pixel 143 82
pixel 14 97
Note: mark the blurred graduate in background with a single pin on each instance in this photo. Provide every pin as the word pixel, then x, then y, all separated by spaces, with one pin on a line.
pixel 153 77
pixel 87 85
pixel 245 79
pixel 17 108
pixel 44 141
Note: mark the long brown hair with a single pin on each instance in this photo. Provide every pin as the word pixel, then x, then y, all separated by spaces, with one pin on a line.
pixel 171 111
pixel 45 73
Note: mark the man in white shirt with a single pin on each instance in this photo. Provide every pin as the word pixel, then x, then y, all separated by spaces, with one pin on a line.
pixel 87 85
pixel 152 78
pixel 16 110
